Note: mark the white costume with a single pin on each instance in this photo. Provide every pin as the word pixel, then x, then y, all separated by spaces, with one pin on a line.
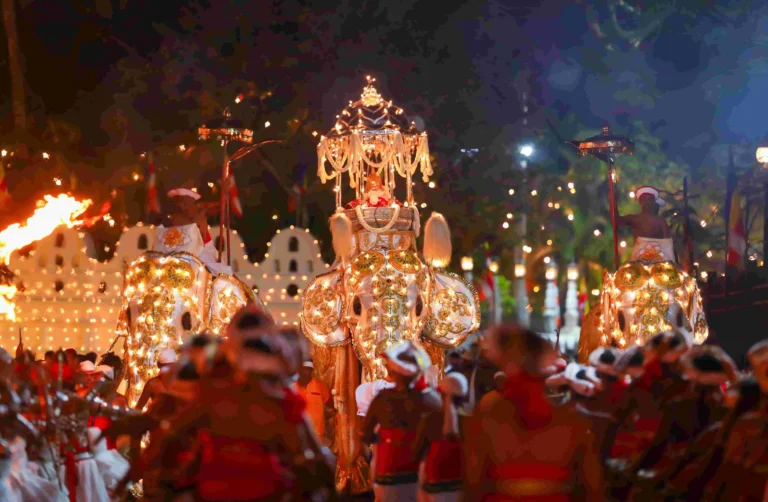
pixel 112 466
pixel 187 239
pixel 653 250
pixel 365 393
pixel 24 483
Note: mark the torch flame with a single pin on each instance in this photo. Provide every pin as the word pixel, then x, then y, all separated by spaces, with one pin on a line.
pixel 7 306
pixel 50 214
pixel 54 212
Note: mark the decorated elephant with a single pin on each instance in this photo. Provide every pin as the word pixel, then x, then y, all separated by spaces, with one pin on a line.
pixel 169 297
pixel 644 298
pixel 381 292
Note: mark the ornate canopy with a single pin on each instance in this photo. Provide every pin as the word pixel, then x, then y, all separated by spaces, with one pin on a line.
pixel 373 135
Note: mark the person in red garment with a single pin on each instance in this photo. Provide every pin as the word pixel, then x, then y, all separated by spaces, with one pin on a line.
pixel 439 441
pixel 522 448
pixel 397 412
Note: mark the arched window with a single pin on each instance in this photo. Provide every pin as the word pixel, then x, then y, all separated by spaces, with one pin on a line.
pixel 59 240
pixel 277 266
pixel 58 286
pixel 59 261
pixel 293 245
pixel 292 267
pixel 143 242
pixel 292 290
pixel 310 267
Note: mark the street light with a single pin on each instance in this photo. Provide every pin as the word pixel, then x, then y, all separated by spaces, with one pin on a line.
pixel 762 154
pixel 551 273
pixel 494 267
pixel 519 271
pixel 467 264
pixel 526 150
pixel 573 272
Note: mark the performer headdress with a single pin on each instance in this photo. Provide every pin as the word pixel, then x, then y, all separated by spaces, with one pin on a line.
pixel 604 360
pixel 184 192
pixel 407 359
pixel 668 346
pixel 648 190
pixel 758 358
pixel 454 384
pixel 709 365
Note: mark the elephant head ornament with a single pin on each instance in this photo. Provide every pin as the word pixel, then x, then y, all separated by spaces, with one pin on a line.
pixel 381 291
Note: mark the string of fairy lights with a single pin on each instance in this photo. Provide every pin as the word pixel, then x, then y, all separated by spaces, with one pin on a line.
pixel 82 311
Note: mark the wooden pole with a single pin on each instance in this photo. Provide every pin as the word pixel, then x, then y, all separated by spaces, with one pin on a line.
pixel 229 223
pixel 224 192
pixel 687 229
pixel 612 200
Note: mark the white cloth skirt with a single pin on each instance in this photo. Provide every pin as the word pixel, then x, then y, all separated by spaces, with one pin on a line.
pixel 24 481
pixel 395 493
pixel 90 483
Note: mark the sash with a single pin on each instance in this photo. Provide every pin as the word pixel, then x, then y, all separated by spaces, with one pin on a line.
pixel 396 463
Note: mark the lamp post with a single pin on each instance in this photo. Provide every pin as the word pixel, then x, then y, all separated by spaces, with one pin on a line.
pixel 762 158
pixel 521 294
pixel 467 264
pixel 551 299
pixel 571 319
pixel 493 266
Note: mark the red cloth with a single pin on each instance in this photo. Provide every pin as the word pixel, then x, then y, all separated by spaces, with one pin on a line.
pixel 207 238
pixel 529 471
pixel 630 443
pixel 527 393
pixel 70 475
pixel 395 460
pixel 652 373
pixel 293 406
pixel 381 203
pixel 444 462
pixel 421 384
pixel 102 423
pixel 239 469
pixel 617 390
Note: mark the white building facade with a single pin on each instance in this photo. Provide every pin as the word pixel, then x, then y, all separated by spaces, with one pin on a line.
pixel 68 299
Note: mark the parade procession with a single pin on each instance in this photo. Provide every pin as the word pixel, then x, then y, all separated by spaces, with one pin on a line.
pixel 512 251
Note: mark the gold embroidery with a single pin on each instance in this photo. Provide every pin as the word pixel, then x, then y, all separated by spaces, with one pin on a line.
pixel 178 274
pixel 320 308
pixel 405 261
pixel 631 277
pixel 174 238
pixel 368 264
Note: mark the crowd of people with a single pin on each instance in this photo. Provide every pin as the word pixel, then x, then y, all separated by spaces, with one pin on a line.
pixel 244 417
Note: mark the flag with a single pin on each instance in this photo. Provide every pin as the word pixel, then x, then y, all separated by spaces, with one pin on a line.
pixel 234 198
pixel 153 204
pixel 298 189
pixel 737 236
pixel 5 197
pixel 486 289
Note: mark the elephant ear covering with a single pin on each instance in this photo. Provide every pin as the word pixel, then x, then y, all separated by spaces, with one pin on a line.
pixel 341 230
pixel 437 241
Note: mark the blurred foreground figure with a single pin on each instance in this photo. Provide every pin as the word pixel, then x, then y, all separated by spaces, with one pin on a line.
pixel 397 413
pixel 522 448
pixel 255 441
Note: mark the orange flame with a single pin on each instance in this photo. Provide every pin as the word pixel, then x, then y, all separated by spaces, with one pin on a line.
pixel 7 306
pixel 50 214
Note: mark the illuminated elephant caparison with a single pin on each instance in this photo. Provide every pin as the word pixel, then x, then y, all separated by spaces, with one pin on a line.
pixel 383 293
pixel 169 297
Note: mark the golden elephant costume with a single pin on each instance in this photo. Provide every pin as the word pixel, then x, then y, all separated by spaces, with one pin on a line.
pixel 381 290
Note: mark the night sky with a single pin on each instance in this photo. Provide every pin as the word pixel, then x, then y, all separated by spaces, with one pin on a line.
pixel 706 75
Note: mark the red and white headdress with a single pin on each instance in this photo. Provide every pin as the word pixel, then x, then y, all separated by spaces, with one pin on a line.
pixel 647 190
pixel 407 359
pixel 604 360
pixel 184 192
pixel 758 358
pixel 709 365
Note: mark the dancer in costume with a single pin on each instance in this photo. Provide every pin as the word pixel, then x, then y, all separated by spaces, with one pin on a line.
pixel 185 229
pixel 521 447
pixel 439 441
pixel 397 412
pixel 653 239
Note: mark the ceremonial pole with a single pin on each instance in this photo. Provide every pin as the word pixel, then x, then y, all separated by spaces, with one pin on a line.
pixel 614 209
pixel 604 146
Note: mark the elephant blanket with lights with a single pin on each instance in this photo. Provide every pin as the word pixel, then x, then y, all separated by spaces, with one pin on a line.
pixel 648 295
pixel 168 296
pixel 380 292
